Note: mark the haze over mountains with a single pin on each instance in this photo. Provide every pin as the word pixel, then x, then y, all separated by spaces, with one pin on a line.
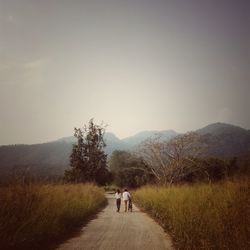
pixel 114 143
pixel 224 140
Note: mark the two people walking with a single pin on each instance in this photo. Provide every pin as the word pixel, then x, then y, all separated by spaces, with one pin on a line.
pixel 126 196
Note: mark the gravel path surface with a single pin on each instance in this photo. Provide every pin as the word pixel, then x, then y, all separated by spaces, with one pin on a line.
pixel 123 231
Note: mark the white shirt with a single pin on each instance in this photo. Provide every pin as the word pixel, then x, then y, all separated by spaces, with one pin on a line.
pixel 118 196
pixel 126 195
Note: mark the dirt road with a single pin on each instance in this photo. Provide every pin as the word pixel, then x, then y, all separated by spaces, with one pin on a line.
pixel 122 231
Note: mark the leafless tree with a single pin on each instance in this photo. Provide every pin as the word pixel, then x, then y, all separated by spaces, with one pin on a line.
pixel 170 161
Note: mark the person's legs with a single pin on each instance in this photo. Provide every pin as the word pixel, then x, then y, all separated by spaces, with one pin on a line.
pixel 130 205
pixel 118 204
pixel 126 205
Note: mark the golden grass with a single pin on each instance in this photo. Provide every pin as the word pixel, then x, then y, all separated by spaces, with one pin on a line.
pixel 215 216
pixel 33 215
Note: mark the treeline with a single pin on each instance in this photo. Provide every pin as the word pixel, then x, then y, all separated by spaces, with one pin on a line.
pixel 179 160
pixel 158 160
pixel 129 170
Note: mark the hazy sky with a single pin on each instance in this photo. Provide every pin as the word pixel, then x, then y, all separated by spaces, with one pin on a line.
pixel 134 64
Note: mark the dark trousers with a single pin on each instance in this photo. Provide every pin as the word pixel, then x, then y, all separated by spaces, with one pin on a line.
pixel 118 204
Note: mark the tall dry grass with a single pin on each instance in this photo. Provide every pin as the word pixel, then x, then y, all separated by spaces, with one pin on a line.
pixel 204 216
pixel 31 216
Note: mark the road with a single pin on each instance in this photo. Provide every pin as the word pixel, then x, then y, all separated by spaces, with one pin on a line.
pixel 123 231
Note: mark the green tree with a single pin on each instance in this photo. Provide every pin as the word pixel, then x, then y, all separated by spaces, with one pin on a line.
pixel 129 170
pixel 88 160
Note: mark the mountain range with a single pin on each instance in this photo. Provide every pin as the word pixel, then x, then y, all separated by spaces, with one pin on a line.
pixel 224 140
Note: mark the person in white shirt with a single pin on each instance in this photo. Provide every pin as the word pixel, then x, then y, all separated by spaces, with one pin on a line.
pixel 118 197
pixel 126 196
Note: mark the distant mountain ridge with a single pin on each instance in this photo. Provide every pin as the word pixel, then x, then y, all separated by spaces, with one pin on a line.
pixel 114 143
pixel 144 135
pixel 222 128
pixel 223 139
pixel 226 140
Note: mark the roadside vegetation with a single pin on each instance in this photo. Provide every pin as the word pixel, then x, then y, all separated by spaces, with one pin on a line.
pixel 212 215
pixel 201 216
pixel 34 215
pixel 202 201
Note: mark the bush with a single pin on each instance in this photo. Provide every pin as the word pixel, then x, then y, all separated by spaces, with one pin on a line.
pixel 203 216
pixel 33 215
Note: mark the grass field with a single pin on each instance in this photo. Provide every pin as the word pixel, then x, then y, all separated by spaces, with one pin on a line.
pixel 32 216
pixel 204 216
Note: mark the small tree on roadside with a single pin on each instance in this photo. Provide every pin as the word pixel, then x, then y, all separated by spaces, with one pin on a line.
pixel 88 160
